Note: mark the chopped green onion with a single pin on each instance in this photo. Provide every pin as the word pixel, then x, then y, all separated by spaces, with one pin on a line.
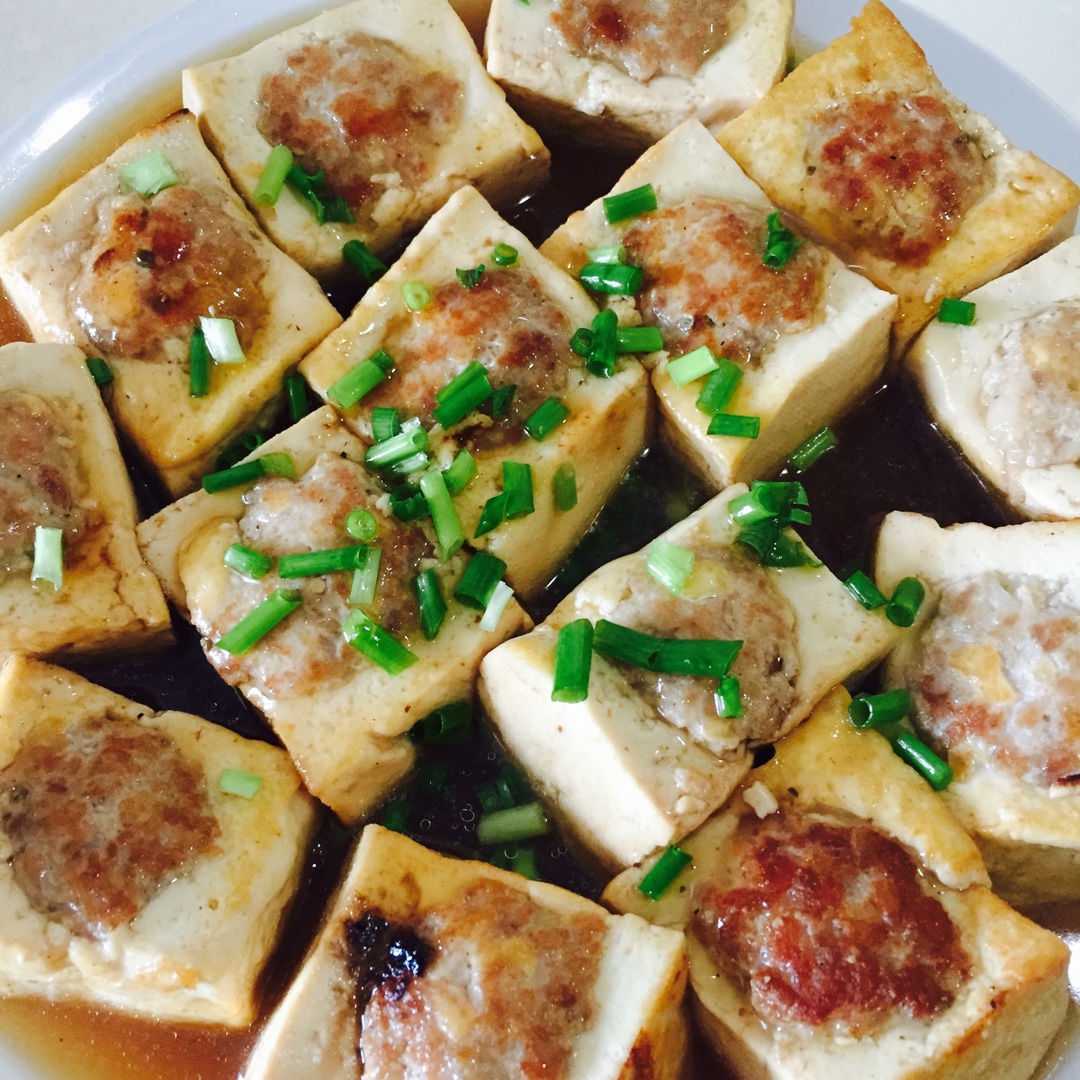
pixel 366 578
pixel 564 487
pixel 516 823
pixel 462 469
pixel 669 565
pixel 464 393
pixel 278 163
pixel 477 584
pixel 277 464
pixel 581 341
pixel 501 400
pixel 616 253
pixel 523 862
pixel 329 561
pixel 238 447
pixel 961 312
pixel 48 555
pixel 612 279
pixel 865 591
pixel 239 782
pixel 766 500
pixel 905 602
pixel 377 644
pixel 738 427
pixel 101 372
pixel 362 525
pixel 573 662
pixel 672 656
pixel 412 439
pixel 412 464
pixel 638 339
pixel 601 359
pixel 296 395
pixel 729 698
pixel 385 423
pixel 221 340
pixel 518 486
pixel 433 778
pixel 432 605
pixel 407 503
pixel 780 243
pixel 256 624
pixel 545 419
pixel 496 606
pixel 149 174
pixel 665 870
pixel 246 561
pixel 311 187
pixel 470 278
pixel 450 723
pixel 685 369
pixel 362 379
pixel 395 816
pixel 415 296
pixel 873 710
pixel 508 789
pixel 444 515
pixel 773 545
pixel 806 453
pixel 358 255
pixel 492 515
pixel 504 255
pixel 923 760
pixel 628 204
pixel 719 387
pixel 198 364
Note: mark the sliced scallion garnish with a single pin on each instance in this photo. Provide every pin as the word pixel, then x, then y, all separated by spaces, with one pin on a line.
pixel 377 644
pixel 669 565
pixel 100 371
pixel 780 243
pixel 311 187
pixel 411 440
pixel 362 379
pixel 366 578
pixel 774 547
pixel 278 163
pixel 238 782
pixel 221 340
pixel 728 698
pixel 673 656
pixel 738 427
pixel 602 352
pixel 616 253
pixel 638 339
pixel 865 591
pixel 806 453
pixel 432 604
pixel 905 601
pixel 396 814
pixel 450 723
pixel 516 823
pixel 492 515
pixel 256 624
pixel 48 556
pixel 464 393
pixel 407 503
pixel 628 204
pixel 149 174
pixel 770 499
pixel 361 525
pixel 960 312
pixel 275 464
pixel 612 279
pixel 719 387
pixel 664 871
pixel 693 365
pixel 198 364
pixel 359 256
pixel 470 278
pixel 923 760
pixel 501 400
pixel 508 789
pixel 296 395
pixel 238 447
pixel 545 419
pixel 414 295
pixel 444 515
pixel 496 606
pixel 573 662
pixel 247 561
pixel 385 423
pixel 327 561
pixel 564 487
pixel 462 469
pixel 504 255
pixel 477 584
pixel 873 710
pixel 518 486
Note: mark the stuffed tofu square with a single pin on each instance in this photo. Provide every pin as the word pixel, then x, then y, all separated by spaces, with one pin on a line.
pixel 809 337
pixel 72 579
pixel 131 259
pixel 429 965
pixel 667 742
pixel 338 642
pixel 148 858
pixel 991 665
pixel 473 327
pixel 863 144
pixel 839 924
pixel 387 101
pixel 624 75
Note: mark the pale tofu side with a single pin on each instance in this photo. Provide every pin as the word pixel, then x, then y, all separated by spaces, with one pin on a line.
pixel 1004 1015
pixel 638 1029
pixel 806 379
pixel 608 418
pixel 952 362
pixel 1029 834
pixel 1027 208
pixel 109 599
pixel 596 101
pixel 348 736
pixel 52 264
pixel 194 951
pixel 491 148
pixel 664 779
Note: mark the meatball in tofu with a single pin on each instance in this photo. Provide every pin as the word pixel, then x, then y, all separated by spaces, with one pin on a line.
pixel 809 337
pixel 131 260
pixel 839 924
pixel 147 858
pixel 432 966
pixel 863 144
pixel 62 481
pixel 388 101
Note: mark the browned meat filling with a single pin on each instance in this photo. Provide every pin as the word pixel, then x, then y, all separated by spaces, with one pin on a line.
pixel 152 268
pixel 504 988
pixel 705 282
pixel 39 478
pixel 646 38
pixel 100 816
pixel 831 924
pixel 900 173
pixel 364 112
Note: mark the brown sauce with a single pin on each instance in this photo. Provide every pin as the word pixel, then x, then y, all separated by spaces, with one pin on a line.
pixel 12 326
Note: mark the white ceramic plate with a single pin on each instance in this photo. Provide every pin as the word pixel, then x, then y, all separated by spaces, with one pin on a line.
pixel 138 81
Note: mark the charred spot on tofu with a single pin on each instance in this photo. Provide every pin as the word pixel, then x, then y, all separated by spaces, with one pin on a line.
pixel 363 111
pixel 382 957
pixel 100 815
pixel 996 677
pixel 830 923
pixel 899 171
pixel 506 990
pixel 646 38
pixel 150 269
pixel 705 282
pixel 39 478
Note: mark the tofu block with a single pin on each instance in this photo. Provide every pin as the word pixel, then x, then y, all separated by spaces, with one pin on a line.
pixel 655 746
pixel 516 321
pixel 991 665
pixel 876 860
pixel 128 878
pixel 864 146
pixel 572 72
pixel 811 338
pixel 335 91
pixel 60 468
pixel 1003 389
pixel 343 717
pixel 495 975
pixel 127 277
